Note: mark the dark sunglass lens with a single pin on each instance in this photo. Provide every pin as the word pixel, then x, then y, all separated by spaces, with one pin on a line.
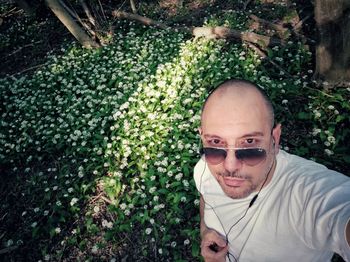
pixel 251 156
pixel 214 156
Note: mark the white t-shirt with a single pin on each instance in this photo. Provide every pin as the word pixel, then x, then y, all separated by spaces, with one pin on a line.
pixel 301 215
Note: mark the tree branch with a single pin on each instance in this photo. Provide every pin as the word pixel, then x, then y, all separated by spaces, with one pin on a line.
pixel 141 19
pixel 88 13
pixel 7 249
pixel 133 6
pixel 246 4
pixel 279 28
pixel 207 32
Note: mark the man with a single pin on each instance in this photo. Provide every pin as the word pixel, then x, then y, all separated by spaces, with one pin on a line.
pixel 259 203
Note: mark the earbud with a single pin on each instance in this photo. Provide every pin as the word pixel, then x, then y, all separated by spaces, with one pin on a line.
pixel 253 200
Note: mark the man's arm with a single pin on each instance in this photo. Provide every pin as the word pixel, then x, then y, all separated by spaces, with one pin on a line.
pixel 213 247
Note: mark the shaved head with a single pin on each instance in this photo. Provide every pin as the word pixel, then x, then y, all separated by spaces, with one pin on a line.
pixel 240 89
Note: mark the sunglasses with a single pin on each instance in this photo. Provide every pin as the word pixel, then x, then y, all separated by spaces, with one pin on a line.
pixel 249 156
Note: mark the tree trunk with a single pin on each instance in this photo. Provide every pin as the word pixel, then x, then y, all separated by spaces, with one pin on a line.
pixel 133 6
pixel 71 25
pixel 28 9
pixel 333 48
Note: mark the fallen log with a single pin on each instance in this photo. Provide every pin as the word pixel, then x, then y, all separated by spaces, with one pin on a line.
pixel 218 32
pixel 279 28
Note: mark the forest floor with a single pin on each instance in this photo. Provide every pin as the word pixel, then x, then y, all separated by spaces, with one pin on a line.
pixel 25 45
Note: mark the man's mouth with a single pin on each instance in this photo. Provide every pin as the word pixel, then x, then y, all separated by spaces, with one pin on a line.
pixel 234 181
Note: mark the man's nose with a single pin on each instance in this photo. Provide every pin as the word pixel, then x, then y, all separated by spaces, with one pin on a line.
pixel 231 163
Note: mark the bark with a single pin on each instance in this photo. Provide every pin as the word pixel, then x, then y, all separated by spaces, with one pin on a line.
pixel 208 32
pixel 77 17
pixel 283 32
pixel 88 13
pixel 245 5
pixel 141 19
pixel 333 47
pixel 70 24
pixel 133 6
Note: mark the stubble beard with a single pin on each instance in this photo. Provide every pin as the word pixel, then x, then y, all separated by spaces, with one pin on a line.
pixel 239 192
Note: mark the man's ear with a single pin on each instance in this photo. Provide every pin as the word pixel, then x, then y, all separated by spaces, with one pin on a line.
pixel 200 131
pixel 276 135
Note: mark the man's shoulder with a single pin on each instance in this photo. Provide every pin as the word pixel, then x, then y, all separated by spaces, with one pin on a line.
pixel 296 168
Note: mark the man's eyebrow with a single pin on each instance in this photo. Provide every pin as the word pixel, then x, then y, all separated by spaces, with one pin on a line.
pixel 252 134
pixel 211 136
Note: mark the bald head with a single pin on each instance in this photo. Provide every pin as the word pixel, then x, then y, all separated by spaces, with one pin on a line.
pixel 236 93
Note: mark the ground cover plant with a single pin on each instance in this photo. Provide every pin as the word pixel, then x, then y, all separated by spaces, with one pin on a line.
pixel 97 147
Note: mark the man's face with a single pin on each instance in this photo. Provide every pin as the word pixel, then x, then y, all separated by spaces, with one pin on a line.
pixel 239 122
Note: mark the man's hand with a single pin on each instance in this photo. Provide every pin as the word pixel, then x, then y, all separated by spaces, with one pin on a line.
pixel 213 247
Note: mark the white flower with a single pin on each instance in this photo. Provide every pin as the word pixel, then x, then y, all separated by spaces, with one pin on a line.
pixel 96 209
pixel 160 251
pixel 185 183
pixel 328 152
pixel 73 201
pixel 148 231
pixel 186 242
pixel 178 176
pixel 9 243
pixel 57 230
pixel 316 131
pixel 152 189
pixel 317 114
pixel 173 244
pixel 331 139
pixel 107 224
pixel 94 249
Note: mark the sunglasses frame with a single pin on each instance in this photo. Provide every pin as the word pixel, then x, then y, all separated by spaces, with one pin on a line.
pixel 235 149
